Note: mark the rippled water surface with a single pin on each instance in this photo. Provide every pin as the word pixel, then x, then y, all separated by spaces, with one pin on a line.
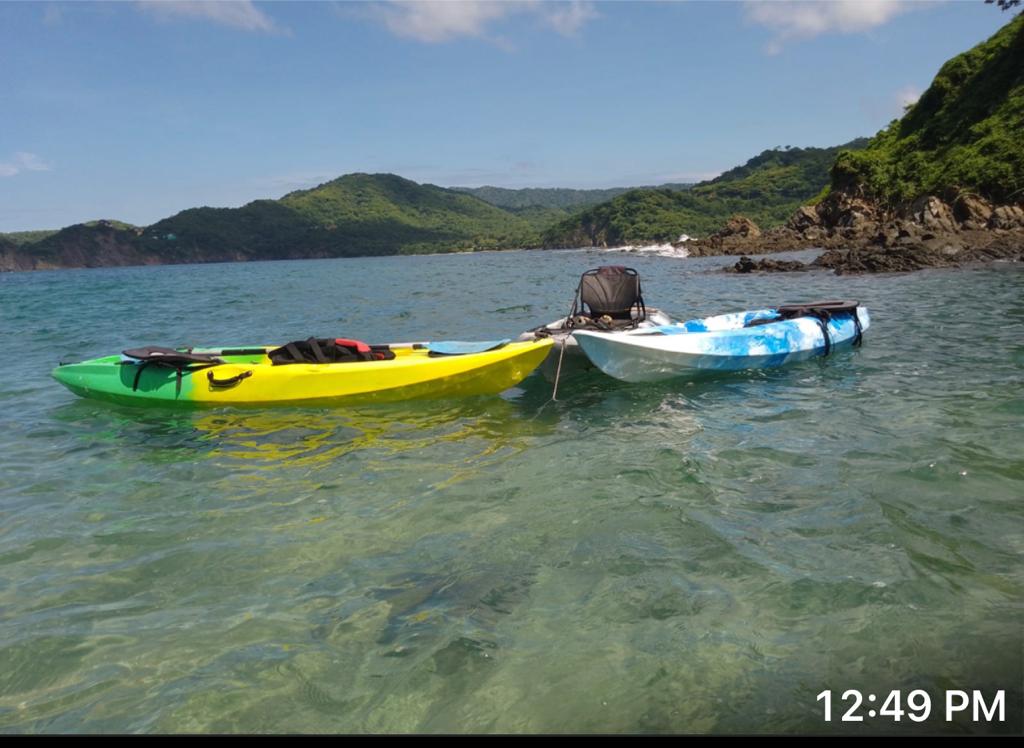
pixel 676 557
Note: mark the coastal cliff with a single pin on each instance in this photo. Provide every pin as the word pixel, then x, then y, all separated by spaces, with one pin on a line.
pixel 942 186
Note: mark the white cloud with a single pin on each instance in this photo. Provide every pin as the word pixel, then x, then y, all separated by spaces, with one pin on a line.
pixel 435 21
pixel 568 18
pixel 803 19
pixel 908 96
pixel 23 161
pixel 439 21
pixel 882 107
pixel 238 14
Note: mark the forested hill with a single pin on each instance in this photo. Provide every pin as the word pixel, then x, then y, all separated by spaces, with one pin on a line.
pixel 965 135
pixel 543 207
pixel 767 188
pixel 552 197
pixel 541 197
pixel 357 214
pixel 354 215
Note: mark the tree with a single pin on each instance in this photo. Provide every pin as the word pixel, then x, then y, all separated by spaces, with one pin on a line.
pixel 1004 4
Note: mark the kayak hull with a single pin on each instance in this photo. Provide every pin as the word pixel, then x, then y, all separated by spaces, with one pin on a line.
pixel 715 344
pixel 253 380
pixel 572 359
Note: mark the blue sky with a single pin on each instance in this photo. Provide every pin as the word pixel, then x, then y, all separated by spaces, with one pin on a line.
pixel 136 110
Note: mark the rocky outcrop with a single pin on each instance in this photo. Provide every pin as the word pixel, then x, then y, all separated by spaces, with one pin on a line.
pixel 806 223
pixel 766 265
pixel 861 236
pixel 972 212
pixel 741 236
pixel 739 226
pixel 11 258
pixel 1007 218
pixel 899 259
pixel 881 260
pixel 933 215
pixel 930 232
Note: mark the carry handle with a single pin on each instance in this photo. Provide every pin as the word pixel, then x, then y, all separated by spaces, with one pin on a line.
pixel 229 382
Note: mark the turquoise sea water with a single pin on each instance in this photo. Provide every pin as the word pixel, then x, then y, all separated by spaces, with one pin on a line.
pixel 676 557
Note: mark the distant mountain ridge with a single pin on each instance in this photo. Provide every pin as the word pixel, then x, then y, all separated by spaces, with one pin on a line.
pixel 768 188
pixel 354 215
pixel 384 214
pixel 552 197
pixel 543 207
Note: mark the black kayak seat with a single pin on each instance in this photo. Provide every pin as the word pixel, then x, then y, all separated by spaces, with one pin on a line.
pixel 613 291
pixel 172 357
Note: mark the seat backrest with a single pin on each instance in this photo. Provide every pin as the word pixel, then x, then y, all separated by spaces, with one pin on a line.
pixel 611 290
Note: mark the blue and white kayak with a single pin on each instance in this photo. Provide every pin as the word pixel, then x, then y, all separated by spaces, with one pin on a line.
pixel 727 342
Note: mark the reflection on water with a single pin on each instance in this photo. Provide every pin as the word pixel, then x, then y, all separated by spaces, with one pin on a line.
pixel 310 439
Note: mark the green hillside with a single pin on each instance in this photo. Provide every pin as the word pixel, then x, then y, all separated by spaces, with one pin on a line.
pixel 543 207
pixel 541 197
pixel 24 238
pixel 767 188
pixel 354 215
pixel 965 133
pixel 357 214
pixel 20 238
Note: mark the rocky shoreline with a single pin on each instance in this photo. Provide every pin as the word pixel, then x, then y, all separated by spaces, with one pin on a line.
pixel 860 236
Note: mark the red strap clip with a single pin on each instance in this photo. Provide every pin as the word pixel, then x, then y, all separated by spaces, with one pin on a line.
pixel 359 345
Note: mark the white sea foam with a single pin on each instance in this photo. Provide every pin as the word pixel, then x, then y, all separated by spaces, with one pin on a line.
pixel 661 250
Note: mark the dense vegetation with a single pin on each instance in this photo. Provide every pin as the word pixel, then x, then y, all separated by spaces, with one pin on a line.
pixel 543 207
pixel 965 133
pixel 538 197
pixel 354 215
pixel 19 238
pixel 768 188
pixel 357 214
pixel 23 238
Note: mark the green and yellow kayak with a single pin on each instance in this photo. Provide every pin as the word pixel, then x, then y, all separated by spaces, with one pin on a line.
pixel 248 376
